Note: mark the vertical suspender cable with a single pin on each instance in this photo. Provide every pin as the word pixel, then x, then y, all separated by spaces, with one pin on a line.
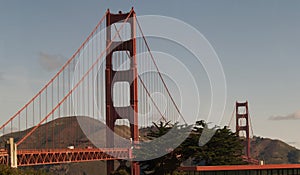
pixel 40 114
pixel 52 105
pixel 165 86
pixel 46 128
pixel 33 114
pixel 19 125
pixel 26 119
pixel 71 91
pixel 59 108
pixel 83 84
pixel 63 93
pixel 93 87
pixel 88 80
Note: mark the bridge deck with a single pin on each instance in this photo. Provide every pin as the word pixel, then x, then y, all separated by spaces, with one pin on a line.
pixel 272 169
pixel 55 156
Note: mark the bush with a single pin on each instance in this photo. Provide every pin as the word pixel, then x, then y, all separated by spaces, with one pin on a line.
pixel 6 170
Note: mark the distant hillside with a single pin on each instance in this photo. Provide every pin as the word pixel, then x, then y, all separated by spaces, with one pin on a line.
pixel 68 132
pixel 274 151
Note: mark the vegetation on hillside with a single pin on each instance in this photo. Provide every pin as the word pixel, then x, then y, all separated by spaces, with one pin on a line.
pixel 224 148
pixel 294 156
pixel 6 170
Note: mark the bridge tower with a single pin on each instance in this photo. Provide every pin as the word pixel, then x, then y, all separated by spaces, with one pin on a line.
pixel 128 76
pixel 242 123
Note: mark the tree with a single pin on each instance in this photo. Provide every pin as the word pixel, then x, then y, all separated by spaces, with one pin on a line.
pixel 120 172
pixel 171 160
pixel 123 168
pixel 294 156
pixel 223 148
pixel 6 170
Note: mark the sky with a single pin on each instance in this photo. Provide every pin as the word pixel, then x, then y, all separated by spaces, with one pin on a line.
pixel 257 42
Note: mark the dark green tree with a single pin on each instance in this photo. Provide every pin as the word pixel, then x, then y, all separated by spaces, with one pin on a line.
pixel 165 144
pixel 121 172
pixel 227 148
pixel 6 170
pixel 294 156
pixel 223 148
pixel 217 146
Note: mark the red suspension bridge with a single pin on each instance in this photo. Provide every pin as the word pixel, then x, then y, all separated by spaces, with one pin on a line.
pixel 110 78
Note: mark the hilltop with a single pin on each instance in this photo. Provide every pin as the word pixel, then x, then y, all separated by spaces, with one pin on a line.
pixel 273 151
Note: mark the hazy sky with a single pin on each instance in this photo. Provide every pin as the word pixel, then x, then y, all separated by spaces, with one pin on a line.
pixel 258 43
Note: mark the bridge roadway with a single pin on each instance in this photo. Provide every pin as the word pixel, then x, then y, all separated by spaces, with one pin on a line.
pixel 269 169
pixel 55 156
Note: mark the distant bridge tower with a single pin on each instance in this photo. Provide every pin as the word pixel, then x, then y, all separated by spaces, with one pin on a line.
pixel 113 112
pixel 242 123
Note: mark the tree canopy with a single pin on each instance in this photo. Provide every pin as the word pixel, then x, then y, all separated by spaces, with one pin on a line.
pixel 294 156
pixel 6 170
pixel 223 148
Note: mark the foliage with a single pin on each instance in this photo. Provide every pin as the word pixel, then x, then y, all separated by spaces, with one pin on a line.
pixel 6 170
pixel 294 156
pixel 123 169
pixel 120 172
pixel 161 137
pixel 223 148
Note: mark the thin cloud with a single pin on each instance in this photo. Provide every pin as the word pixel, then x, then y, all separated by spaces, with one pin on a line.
pixel 293 116
pixel 51 62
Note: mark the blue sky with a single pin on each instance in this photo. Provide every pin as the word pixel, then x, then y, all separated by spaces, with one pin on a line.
pixel 258 43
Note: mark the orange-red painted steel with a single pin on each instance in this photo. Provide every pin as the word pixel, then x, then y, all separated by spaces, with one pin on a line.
pixel 240 126
pixel 56 75
pixel 112 76
pixel 55 156
pixel 250 160
pixel 240 167
pixel 4 157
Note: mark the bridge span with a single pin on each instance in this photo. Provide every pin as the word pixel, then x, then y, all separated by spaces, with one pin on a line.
pixel 272 169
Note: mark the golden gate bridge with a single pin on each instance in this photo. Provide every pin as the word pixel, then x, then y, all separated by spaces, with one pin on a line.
pixel 104 77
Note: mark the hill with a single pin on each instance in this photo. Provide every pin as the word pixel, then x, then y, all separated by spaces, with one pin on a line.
pixel 273 151
pixel 68 131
